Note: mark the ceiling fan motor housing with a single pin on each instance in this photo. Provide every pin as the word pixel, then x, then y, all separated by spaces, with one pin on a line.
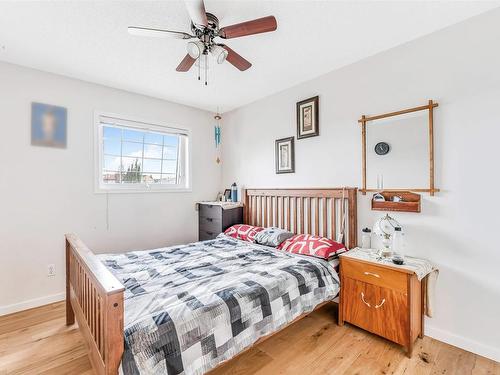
pixel 207 34
pixel 213 22
pixel 213 26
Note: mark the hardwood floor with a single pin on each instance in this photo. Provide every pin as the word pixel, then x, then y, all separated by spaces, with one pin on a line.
pixel 38 342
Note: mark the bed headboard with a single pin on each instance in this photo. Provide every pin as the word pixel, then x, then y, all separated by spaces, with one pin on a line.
pixel 304 211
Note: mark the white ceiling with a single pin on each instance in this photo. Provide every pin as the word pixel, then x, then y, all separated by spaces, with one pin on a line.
pixel 89 41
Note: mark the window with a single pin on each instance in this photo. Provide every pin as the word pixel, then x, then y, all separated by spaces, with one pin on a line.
pixel 138 156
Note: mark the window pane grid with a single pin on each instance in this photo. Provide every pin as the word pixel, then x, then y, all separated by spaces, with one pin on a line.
pixel 133 157
pixel 138 142
pixel 140 168
pixel 121 153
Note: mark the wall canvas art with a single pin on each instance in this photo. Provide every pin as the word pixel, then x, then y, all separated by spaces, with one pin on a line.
pixel 48 125
pixel 308 118
pixel 285 155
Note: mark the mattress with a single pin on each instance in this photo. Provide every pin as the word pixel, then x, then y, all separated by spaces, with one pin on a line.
pixel 188 308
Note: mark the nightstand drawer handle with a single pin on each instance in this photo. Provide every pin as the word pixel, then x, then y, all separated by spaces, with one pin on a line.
pixel 367 304
pixel 363 299
pixel 380 305
pixel 372 274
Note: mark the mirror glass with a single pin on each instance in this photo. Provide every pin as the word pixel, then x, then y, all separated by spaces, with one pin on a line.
pixel 397 152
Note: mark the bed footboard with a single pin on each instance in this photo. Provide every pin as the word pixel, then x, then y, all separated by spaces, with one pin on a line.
pixel 94 296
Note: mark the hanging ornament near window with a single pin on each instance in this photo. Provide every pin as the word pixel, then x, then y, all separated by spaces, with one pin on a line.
pixel 217 135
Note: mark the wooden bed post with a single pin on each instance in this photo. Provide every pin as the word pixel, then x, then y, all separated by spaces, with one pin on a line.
pixel 70 314
pixel 115 335
pixel 353 218
pixel 244 200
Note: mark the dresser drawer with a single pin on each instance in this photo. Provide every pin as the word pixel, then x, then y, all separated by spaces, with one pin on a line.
pixel 211 211
pixel 375 275
pixel 210 224
pixel 376 309
pixel 205 235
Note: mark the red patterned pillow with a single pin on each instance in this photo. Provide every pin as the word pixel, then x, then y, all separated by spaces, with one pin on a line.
pixel 317 246
pixel 243 232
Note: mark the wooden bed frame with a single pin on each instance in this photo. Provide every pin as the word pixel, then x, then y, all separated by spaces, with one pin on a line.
pixel 94 296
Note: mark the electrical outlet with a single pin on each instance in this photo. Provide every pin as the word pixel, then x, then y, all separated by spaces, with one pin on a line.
pixel 51 270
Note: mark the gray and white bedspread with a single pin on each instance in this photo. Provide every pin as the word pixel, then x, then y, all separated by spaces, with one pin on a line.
pixel 190 307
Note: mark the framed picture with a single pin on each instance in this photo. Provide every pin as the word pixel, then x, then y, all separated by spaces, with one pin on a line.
pixel 308 118
pixel 285 155
pixel 48 125
pixel 227 194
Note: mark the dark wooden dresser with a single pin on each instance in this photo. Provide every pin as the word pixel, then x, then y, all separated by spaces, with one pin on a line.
pixel 214 219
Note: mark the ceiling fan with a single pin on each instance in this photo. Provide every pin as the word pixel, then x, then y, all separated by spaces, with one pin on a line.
pixel 205 28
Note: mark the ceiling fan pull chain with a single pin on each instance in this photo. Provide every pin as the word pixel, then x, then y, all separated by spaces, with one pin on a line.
pixel 206 69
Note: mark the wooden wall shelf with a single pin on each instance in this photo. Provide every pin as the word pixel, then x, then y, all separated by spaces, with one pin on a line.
pixel 411 202
pixel 435 190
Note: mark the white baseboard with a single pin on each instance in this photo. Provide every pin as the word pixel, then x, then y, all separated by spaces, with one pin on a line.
pixel 463 343
pixel 29 304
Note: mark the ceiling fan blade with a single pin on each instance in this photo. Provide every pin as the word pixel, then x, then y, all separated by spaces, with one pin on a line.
pixel 186 64
pixel 158 33
pixel 196 10
pixel 236 60
pixel 260 25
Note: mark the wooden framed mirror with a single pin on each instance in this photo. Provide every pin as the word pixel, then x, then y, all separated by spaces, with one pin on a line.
pixel 398 150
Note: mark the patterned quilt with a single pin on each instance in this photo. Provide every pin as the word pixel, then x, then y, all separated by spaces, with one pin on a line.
pixel 190 307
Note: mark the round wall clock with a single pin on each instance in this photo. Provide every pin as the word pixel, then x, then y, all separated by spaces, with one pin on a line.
pixel 382 148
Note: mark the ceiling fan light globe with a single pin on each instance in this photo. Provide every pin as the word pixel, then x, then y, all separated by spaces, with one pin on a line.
pixel 219 53
pixel 195 49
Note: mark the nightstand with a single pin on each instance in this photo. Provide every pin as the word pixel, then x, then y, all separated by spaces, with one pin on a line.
pixel 381 299
pixel 216 217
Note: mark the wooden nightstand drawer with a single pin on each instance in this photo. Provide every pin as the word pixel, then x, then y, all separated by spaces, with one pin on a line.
pixel 373 274
pixel 378 310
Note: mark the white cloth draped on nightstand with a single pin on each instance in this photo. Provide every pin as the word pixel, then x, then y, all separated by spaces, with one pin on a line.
pixel 429 291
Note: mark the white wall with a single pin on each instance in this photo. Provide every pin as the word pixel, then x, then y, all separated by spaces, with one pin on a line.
pixel 46 192
pixel 460 68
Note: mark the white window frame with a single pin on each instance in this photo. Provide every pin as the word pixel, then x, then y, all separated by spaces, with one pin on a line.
pixel 140 124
